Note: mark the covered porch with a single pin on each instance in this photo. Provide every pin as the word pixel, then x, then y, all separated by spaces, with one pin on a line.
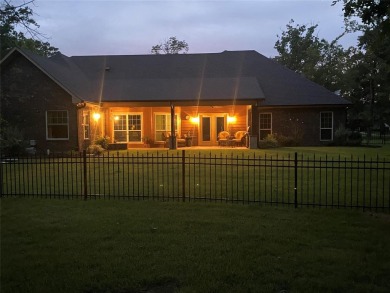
pixel 171 125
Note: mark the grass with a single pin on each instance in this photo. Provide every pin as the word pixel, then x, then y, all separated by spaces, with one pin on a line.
pixel 144 246
pixel 370 151
pixel 382 151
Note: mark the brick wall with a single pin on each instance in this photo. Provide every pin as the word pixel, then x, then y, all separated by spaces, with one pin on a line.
pixel 26 94
pixel 303 122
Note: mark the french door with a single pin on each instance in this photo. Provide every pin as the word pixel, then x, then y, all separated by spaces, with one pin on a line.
pixel 209 127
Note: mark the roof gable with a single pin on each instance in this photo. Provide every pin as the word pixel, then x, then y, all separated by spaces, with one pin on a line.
pixel 66 77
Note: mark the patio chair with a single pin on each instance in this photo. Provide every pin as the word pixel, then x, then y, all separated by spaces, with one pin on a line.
pixel 180 141
pixel 239 137
pixel 223 138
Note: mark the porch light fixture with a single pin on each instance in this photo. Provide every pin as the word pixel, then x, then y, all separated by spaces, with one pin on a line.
pixel 116 118
pixel 96 116
pixel 231 119
pixel 194 120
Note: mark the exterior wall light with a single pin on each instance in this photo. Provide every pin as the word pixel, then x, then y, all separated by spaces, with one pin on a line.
pixel 194 120
pixel 231 119
pixel 96 116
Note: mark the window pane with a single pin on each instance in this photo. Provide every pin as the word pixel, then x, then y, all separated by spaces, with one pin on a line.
pixel 86 131
pixel 206 129
pixel 134 122
pixel 265 121
pixel 326 120
pixel 135 136
pixel 220 125
pixel 120 136
pixel 161 122
pixel 120 122
pixel 326 134
pixel 86 122
pixel 160 135
pixel 57 124
pixel 57 131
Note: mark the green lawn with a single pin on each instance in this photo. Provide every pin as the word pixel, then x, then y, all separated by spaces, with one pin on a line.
pixel 145 246
pixel 383 151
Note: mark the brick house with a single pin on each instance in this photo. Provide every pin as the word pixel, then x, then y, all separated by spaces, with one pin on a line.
pixel 65 103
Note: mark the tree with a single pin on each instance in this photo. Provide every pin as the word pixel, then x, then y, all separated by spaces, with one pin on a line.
pixel 349 71
pixel 372 101
pixel 375 18
pixel 301 50
pixel 371 12
pixel 170 46
pixel 19 29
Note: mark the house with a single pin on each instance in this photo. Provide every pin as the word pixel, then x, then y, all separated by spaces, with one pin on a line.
pixel 65 103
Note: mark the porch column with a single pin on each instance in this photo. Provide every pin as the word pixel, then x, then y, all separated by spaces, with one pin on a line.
pixel 172 138
pixel 254 130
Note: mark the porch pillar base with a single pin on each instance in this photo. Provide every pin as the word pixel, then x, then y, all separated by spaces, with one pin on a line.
pixel 252 142
pixel 172 143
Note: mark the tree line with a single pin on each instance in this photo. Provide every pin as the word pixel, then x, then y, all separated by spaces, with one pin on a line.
pixel 360 74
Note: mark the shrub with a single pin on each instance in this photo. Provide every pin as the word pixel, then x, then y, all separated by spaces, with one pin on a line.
pixel 103 142
pixel 355 138
pixel 147 140
pixel 95 149
pixel 346 137
pixel 269 142
pixel 285 140
pixel 12 143
pixel 341 136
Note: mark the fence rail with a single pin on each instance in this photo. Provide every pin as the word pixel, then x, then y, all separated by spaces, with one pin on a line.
pixel 293 180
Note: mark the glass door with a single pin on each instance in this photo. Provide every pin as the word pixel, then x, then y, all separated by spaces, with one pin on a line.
pixel 206 129
pixel 210 126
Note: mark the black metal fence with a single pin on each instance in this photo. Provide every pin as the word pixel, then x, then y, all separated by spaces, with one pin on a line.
pixel 375 137
pixel 182 176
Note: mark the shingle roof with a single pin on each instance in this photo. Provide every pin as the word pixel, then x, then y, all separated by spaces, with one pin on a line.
pixel 214 76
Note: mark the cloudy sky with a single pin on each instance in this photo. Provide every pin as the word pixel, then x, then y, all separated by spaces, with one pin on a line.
pixel 100 27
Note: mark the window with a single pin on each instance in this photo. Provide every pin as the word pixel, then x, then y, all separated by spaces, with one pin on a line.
pixel 326 126
pixel 265 124
pixel 127 128
pixel 57 125
pixel 163 125
pixel 86 123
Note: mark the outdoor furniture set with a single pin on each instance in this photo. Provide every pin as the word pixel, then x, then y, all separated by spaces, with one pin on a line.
pixel 238 139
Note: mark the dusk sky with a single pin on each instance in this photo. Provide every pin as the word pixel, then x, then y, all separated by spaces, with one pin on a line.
pixel 102 27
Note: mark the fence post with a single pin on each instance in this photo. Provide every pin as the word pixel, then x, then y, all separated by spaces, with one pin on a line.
pixel 85 176
pixel 183 174
pixel 296 180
